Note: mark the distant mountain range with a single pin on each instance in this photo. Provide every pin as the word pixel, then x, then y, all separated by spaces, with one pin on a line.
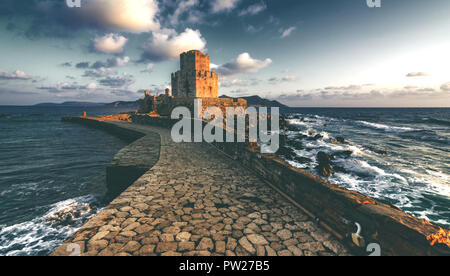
pixel 71 104
pixel 118 104
pixel 255 101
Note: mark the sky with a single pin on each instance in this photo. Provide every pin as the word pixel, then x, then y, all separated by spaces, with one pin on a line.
pixel 305 53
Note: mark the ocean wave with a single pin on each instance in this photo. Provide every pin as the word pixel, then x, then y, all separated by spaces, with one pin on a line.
pixel 43 234
pixel 437 121
pixel 380 166
pixel 387 128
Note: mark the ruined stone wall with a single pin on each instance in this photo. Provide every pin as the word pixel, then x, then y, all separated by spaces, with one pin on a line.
pixel 207 102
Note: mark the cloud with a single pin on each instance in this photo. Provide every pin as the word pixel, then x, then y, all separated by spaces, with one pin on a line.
pixel 65 86
pixel 287 32
pixel 276 80
pixel 349 87
pixel 124 80
pixel 82 65
pixel 253 29
pixel 103 68
pixel 16 75
pixel 349 95
pixel 244 63
pixel 253 9
pixel 417 74
pixel 183 7
pixel 53 18
pixel 109 44
pixel 223 5
pixel 168 45
pixel 410 87
pixel 445 87
pixel 100 72
pixel 238 82
pixel 110 63
pixel 289 78
pixel 134 16
pixel 148 68
pixel 66 64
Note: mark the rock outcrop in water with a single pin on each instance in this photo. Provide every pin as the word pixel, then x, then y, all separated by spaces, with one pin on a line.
pixel 325 167
pixel 338 140
pixel 71 214
pixel 3 116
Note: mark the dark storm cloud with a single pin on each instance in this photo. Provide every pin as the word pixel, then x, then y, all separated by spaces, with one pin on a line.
pixel 117 81
pixel 82 65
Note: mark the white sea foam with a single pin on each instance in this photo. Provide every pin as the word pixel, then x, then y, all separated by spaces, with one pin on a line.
pixel 39 234
pixel 389 177
pixel 386 128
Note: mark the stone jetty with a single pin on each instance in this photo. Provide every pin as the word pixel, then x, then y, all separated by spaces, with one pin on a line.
pixel 192 200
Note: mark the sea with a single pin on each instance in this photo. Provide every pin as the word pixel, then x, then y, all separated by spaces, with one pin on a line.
pixel 52 176
pixel 397 155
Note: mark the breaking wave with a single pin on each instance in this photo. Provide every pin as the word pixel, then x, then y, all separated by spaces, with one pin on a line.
pixel 386 128
pixel 406 168
pixel 43 234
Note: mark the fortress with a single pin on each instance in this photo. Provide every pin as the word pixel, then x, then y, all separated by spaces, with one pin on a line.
pixel 194 80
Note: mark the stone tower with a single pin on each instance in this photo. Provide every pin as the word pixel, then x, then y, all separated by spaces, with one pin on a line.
pixel 194 79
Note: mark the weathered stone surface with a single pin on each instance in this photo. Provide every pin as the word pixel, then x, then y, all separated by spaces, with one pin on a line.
pixel 295 250
pixel 166 247
pixel 270 251
pixel 131 246
pixel 186 246
pixel 284 234
pixel 220 246
pixel 285 253
pixel 247 245
pixel 183 236
pixel 97 245
pixel 231 244
pixel 205 244
pixel 260 250
pixel 147 250
pixel 257 239
pixel 311 246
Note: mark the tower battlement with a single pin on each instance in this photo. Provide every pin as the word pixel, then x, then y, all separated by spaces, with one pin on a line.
pixel 195 79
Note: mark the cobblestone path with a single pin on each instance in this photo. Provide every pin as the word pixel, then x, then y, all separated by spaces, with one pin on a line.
pixel 197 202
